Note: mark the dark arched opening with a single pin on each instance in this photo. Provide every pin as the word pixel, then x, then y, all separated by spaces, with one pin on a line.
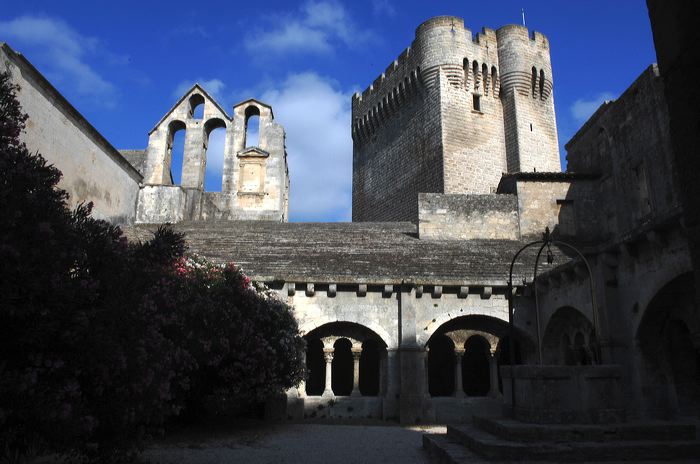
pixel 342 368
pixel 670 363
pixel 465 68
pixel 475 366
pixel 494 79
pixel 346 337
pixel 579 332
pixel 441 362
pixel 369 368
pixel 315 367
pixel 534 81
pixel 485 77
pixel 541 83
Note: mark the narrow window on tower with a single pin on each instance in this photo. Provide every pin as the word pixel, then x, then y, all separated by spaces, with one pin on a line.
pixel 465 66
pixel 477 102
pixel 541 84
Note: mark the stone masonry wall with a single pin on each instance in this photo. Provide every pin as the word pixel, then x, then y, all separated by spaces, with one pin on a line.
pixel 467 217
pixel 401 159
pixel 538 207
pixel 632 156
pixel 93 170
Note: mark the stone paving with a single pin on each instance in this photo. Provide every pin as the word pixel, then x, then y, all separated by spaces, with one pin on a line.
pixel 297 443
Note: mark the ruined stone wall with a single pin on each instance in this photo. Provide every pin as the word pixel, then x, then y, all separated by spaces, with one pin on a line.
pixel 93 170
pixel 438 120
pixel 467 217
pixel 255 179
pixel 627 142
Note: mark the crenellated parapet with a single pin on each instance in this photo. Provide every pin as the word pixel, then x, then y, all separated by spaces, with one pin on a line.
pixel 387 104
pixel 525 61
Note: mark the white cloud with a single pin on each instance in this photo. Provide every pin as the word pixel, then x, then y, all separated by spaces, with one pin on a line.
pixel 316 117
pixel 383 7
pixel 214 87
pixel 316 28
pixel 582 109
pixel 64 52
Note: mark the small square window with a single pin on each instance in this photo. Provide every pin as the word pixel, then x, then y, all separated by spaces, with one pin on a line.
pixel 477 102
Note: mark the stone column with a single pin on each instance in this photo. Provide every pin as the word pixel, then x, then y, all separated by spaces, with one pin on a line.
pixel 427 373
pixel 411 361
pixel 459 390
pixel 390 404
pixel 328 357
pixel 193 157
pixel 356 353
pixel 301 389
pixel 493 370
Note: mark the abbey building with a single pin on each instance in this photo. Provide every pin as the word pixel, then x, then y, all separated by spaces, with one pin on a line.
pixel 455 169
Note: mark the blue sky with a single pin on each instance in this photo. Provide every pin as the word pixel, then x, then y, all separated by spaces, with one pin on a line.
pixel 123 65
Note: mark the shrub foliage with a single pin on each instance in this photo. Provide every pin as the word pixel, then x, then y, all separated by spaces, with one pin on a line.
pixel 102 340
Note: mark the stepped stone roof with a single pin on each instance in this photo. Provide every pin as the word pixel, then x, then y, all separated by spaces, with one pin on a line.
pixel 357 252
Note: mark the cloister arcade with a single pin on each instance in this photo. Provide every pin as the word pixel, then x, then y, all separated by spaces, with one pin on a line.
pixel 464 355
pixel 461 360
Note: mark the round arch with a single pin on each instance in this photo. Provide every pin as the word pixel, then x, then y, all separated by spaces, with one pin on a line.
pixel 196 106
pixel 440 320
pixel 462 356
pixel 174 150
pixel 664 276
pixel 568 338
pixel 344 359
pixel 668 361
pixel 307 327
pixel 214 123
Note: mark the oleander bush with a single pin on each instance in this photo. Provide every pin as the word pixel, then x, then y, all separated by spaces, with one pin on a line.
pixel 102 341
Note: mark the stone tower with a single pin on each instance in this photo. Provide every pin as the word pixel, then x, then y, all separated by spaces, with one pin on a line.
pixel 451 115
pixel 255 179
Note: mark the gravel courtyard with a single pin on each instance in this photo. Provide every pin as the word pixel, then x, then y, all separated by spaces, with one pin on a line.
pixel 309 443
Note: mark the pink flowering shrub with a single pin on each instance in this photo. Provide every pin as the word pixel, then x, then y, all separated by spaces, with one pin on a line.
pixel 103 341
pixel 244 341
